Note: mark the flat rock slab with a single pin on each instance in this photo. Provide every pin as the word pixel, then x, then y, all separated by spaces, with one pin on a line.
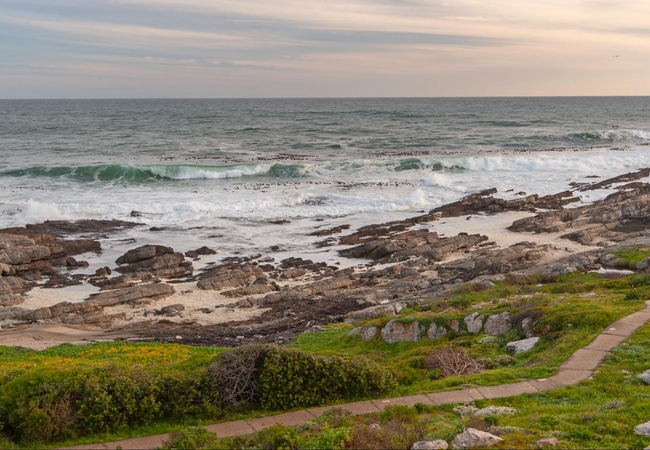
pixel 545 384
pixel 464 396
pixel 569 377
pixel 507 390
pixel 621 328
pixel 605 342
pixel 143 443
pixel 404 401
pixel 228 429
pixel 288 419
pixel 584 359
pixel 361 407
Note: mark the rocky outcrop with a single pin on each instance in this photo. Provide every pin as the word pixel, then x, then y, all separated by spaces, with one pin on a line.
pixel 30 257
pixel 401 332
pixel 144 292
pixel 521 346
pixel 493 261
pixel 436 332
pixel 413 243
pixel 474 323
pixel 157 260
pixel 498 324
pixel 65 228
pixel 226 278
pixel 144 253
pixel 389 309
pixel 620 213
pixel 625 178
pixel 473 438
pixel 10 290
pixel 91 312
pixel 364 333
pixel 485 202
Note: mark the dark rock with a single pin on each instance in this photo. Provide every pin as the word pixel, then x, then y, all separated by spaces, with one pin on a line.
pixel 143 253
pixel 72 262
pixel 329 232
pixel 136 293
pixel 203 251
pixel 103 272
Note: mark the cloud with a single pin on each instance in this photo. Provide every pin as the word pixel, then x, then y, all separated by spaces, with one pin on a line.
pixel 257 47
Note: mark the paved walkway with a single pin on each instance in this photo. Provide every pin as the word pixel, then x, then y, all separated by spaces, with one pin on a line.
pixel 578 367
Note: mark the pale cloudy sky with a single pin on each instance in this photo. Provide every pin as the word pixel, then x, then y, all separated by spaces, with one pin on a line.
pixel 323 48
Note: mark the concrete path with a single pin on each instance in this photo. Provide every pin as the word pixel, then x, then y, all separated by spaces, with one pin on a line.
pixel 578 367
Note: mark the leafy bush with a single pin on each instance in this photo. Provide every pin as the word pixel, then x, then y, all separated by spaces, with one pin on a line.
pixel 193 438
pixel 461 303
pixel 291 378
pixel 54 405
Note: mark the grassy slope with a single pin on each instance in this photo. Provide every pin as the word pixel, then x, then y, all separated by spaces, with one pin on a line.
pixel 585 302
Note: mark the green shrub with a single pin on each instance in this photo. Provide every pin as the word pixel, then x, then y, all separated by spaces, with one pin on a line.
pixel 643 280
pixel 291 378
pixel 331 439
pixel 54 405
pixel 461 303
pixel 192 438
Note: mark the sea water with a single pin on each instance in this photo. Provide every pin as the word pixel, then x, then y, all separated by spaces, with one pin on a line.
pixel 230 174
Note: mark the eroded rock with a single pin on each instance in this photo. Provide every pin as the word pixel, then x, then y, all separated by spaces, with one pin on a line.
pixel 472 438
pixel 401 332
pixel 521 346
pixel 498 324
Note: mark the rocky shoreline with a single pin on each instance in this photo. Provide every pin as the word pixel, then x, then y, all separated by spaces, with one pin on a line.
pixel 154 292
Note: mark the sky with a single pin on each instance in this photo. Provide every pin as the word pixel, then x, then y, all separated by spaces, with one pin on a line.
pixel 323 48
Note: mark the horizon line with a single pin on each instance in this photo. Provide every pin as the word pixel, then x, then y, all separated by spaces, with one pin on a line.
pixel 326 98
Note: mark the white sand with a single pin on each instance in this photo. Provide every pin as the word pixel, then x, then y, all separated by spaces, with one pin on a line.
pixel 494 227
pixel 193 299
pixel 42 298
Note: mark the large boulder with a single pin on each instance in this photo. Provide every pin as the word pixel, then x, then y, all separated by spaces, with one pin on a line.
pixel 643 429
pixel 472 438
pixel 157 260
pixel 521 346
pixel 474 323
pixel 143 253
pixel 401 332
pixel 498 324
pixel 389 309
pixel 365 333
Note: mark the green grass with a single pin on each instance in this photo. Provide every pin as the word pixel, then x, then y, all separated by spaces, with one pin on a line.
pixel 571 311
pixel 600 412
pixel 633 255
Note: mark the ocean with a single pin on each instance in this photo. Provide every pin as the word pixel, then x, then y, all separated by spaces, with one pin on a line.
pixel 243 175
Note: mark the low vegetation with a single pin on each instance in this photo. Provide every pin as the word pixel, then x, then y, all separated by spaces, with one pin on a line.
pixel 598 413
pixel 75 394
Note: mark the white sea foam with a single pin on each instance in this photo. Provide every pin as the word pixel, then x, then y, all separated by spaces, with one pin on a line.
pixel 34 211
pixel 199 172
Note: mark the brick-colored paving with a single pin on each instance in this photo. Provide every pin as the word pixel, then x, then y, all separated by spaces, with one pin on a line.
pixel 578 367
